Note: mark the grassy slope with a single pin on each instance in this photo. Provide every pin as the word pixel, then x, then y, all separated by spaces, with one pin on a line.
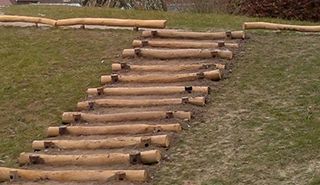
pixel 45 72
pixel 265 119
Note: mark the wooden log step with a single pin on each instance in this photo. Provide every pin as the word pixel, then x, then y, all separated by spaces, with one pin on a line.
pixel 140 91
pixel 164 68
pixel 145 157
pixel 109 143
pixel 182 44
pixel 93 104
pixel 176 53
pixel 195 35
pixel 71 117
pixel 114 129
pixel 12 174
pixel 161 78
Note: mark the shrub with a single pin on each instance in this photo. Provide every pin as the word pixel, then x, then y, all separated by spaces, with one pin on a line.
pixel 287 9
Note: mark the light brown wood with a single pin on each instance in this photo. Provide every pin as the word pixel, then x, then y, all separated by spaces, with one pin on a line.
pixel 114 129
pixel 165 68
pixel 10 174
pixel 273 26
pixel 162 78
pixel 70 117
pixel 139 91
pixel 109 143
pixel 194 35
pixel 145 157
pixel 27 19
pixel 91 105
pixel 86 21
pixel 176 53
pixel 182 44
pixel 113 22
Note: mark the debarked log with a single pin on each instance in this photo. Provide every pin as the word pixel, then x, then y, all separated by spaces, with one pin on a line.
pixel 27 19
pixel 162 78
pixel 273 26
pixel 11 174
pixel 195 35
pixel 145 157
pixel 113 22
pixel 113 129
pixel 109 143
pixel 71 117
pixel 165 68
pixel 182 44
pixel 140 91
pixel 176 53
pixel 91 105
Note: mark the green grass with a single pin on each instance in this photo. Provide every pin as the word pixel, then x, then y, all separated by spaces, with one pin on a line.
pixel 45 72
pixel 264 124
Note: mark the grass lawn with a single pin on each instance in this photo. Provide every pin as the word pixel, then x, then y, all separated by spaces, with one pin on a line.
pixel 264 127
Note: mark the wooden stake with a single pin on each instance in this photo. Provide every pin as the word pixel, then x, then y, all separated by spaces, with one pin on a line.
pixel 114 129
pixel 70 117
pixel 176 53
pixel 146 157
pixel 72 175
pixel 109 143
pixel 156 78
pixel 139 91
pixel 182 44
pixel 195 35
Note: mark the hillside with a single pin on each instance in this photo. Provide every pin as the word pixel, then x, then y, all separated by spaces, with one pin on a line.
pixel 262 126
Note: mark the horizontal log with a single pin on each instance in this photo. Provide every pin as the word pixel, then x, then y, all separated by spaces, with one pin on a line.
pixel 113 22
pixel 11 174
pixel 139 91
pixel 27 19
pixel 182 44
pixel 273 26
pixel 146 157
pixel 91 105
pixel 109 143
pixel 180 67
pixel 195 35
pixel 176 53
pixel 162 78
pixel 71 117
pixel 114 129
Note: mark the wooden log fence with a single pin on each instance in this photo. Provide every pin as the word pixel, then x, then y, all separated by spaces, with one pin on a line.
pixel 274 26
pixel 135 23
